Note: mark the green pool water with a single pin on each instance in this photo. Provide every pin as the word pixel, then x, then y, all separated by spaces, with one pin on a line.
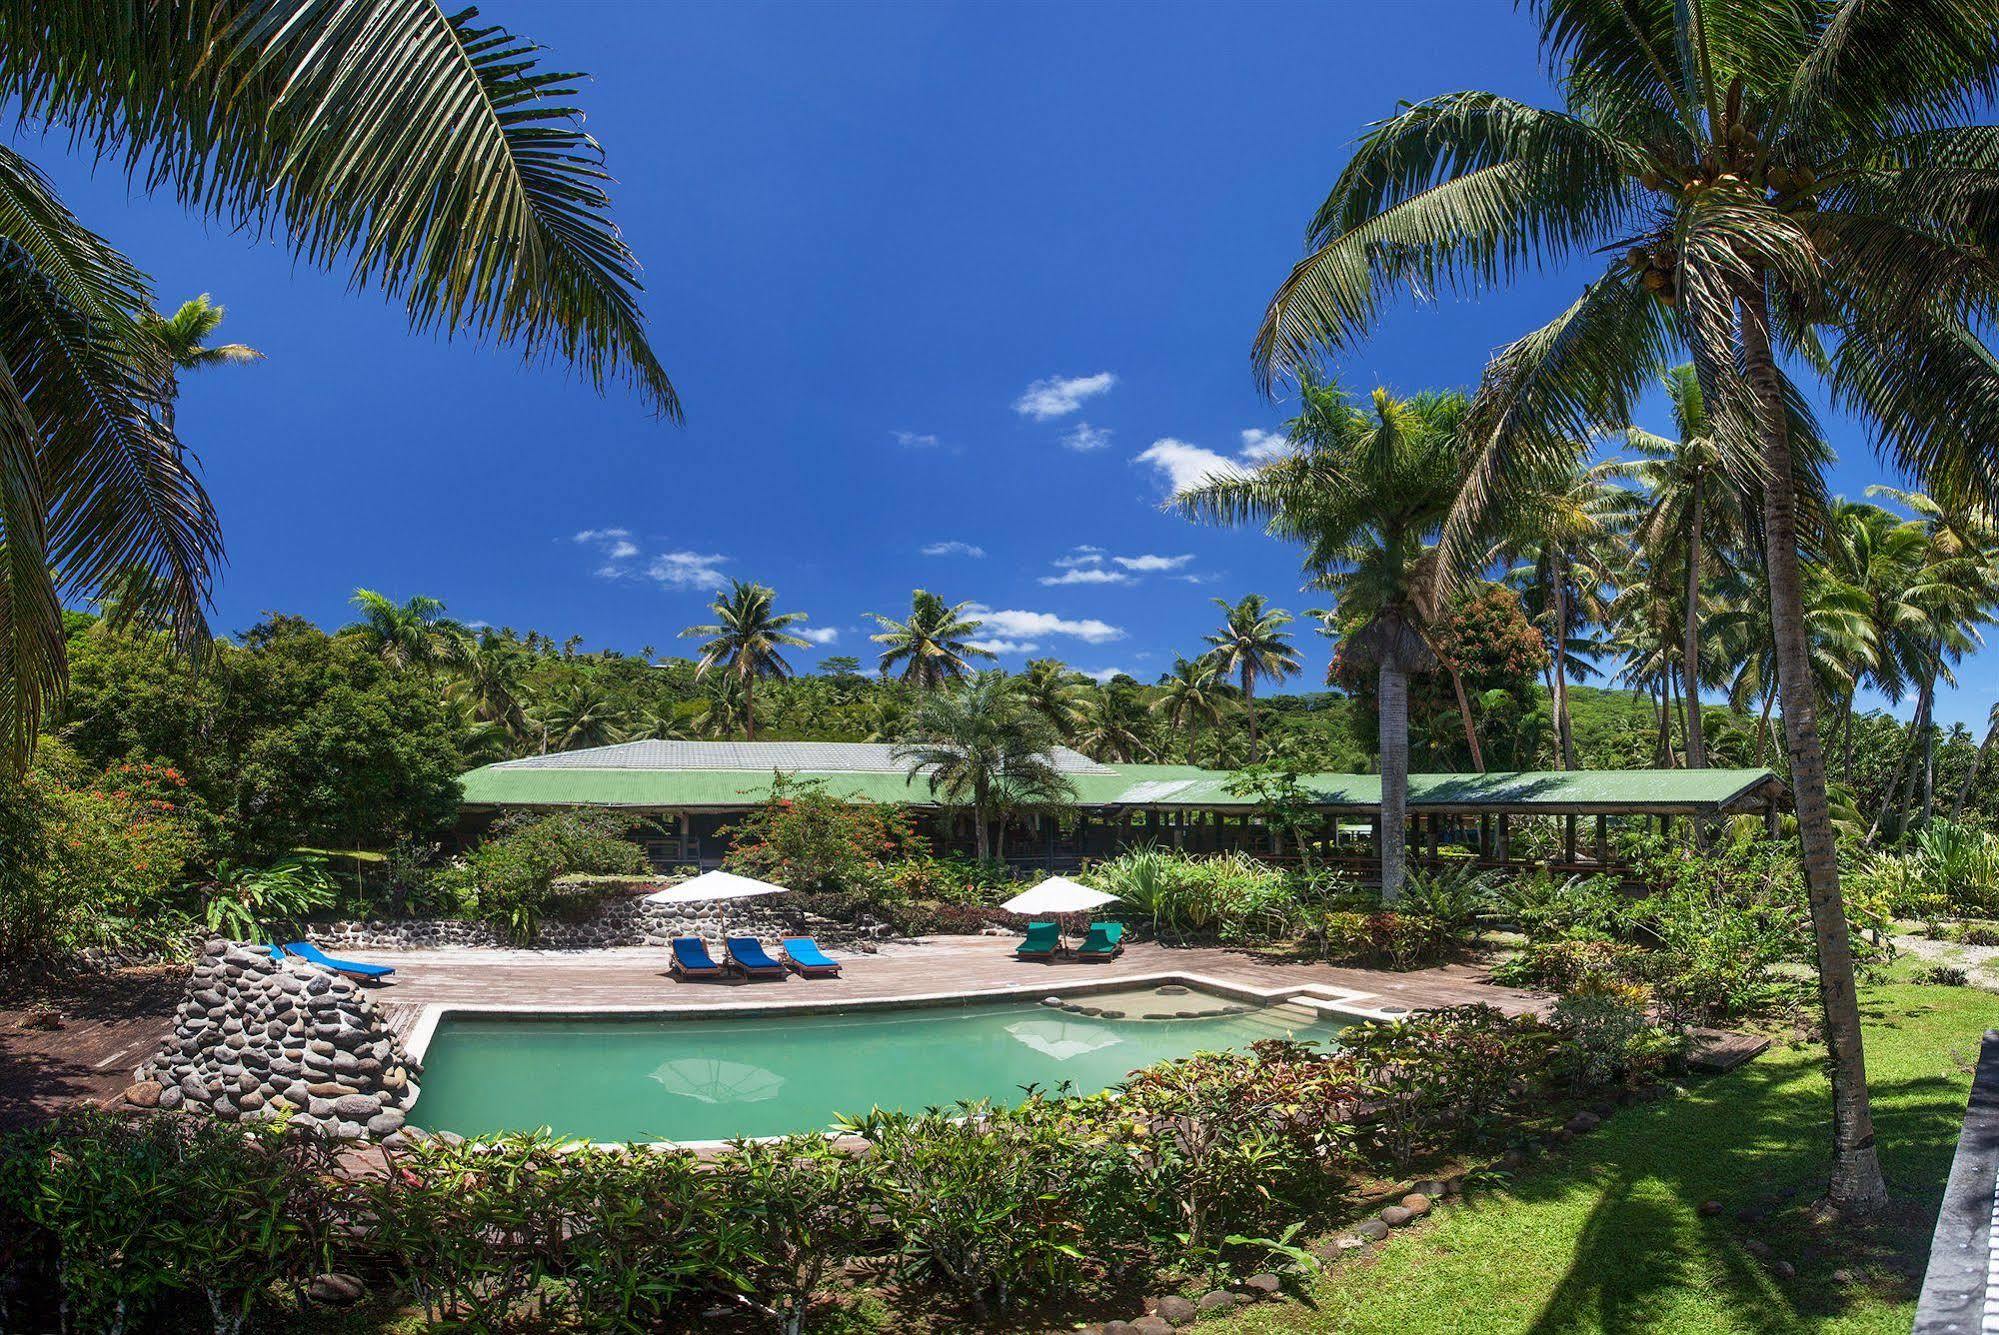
pixel 685 1078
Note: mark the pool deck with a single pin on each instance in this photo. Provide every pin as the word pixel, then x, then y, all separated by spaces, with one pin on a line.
pixel 92 1057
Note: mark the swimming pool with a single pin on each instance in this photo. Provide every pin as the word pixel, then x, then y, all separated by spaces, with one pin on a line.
pixel 692 1077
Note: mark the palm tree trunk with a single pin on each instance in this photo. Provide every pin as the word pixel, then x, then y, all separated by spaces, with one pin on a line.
pixel 1690 651
pixel 1896 784
pixel 1857 1183
pixel 1249 703
pixel 1977 763
pixel 1564 730
pixel 1464 717
pixel 1763 725
pixel 749 706
pixel 1393 690
pixel 1930 752
pixel 1675 706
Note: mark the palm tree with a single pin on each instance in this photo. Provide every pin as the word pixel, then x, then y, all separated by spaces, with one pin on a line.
pixel 1193 693
pixel 1788 185
pixel 722 714
pixel 1692 518
pixel 934 645
pixel 415 633
pixel 1977 763
pixel 745 637
pixel 1365 490
pixel 578 714
pixel 1050 689
pixel 1559 532
pixel 423 153
pixel 182 337
pixel 1252 643
pixel 981 748
pixel 491 677
pixel 1111 727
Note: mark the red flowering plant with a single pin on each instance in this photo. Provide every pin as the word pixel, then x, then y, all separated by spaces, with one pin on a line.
pixel 804 838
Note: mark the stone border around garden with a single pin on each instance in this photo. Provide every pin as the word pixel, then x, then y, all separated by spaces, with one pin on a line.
pixel 1961 1287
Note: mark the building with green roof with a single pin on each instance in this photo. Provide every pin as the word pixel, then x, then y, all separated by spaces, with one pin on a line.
pixel 691 791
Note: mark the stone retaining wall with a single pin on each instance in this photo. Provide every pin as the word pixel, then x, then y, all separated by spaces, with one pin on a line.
pixel 610 921
pixel 254 1037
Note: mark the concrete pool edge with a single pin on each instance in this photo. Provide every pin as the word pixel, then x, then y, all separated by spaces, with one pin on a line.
pixel 1341 1002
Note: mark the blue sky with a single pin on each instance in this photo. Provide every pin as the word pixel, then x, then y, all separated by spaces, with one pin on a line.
pixel 945 288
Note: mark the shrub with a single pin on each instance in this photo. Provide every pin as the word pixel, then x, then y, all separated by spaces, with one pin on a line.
pixel 804 1208
pixel 509 879
pixel 248 903
pixel 1541 905
pixel 1607 1034
pixel 1562 966
pixel 1945 975
pixel 1384 937
pixel 1453 897
pixel 1444 1077
pixel 1235 896
pixel 804 838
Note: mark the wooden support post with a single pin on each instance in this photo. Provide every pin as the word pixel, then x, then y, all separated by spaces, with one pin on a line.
pixel 1433 822
pixel 1484 836
pixel 1770 825
pixel 1603 841
pixel 1374 836
pixel 1505 849
pixel 1569 838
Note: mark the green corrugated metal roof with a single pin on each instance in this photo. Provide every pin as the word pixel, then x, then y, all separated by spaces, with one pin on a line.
pixel 1167 786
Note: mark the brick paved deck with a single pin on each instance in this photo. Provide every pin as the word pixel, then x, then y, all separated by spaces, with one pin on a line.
pixel 93 1055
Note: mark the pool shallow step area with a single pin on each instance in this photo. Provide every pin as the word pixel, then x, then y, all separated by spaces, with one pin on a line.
pixel 705 1078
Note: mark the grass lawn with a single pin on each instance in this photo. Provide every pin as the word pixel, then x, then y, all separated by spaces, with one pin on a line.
pixel 1607 1236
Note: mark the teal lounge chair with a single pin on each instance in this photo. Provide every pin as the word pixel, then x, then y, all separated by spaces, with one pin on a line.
pixel 1044 942
pixel 1105 942
pixel 805 957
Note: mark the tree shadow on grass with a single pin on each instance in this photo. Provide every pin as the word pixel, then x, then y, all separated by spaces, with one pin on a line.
pixel 1757 1139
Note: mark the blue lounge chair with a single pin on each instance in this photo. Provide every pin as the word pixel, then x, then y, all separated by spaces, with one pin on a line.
pixel 1105 942
pixel 1044 941
pixel 746 955
pixel 691 959
pixel 803 954
pixel 312 954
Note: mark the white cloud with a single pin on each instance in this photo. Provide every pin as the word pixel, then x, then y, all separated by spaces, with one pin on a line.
pixel 1014 624
pixel 916 440
pixel 1105 674
pixel 1185 465
pixel 1149 564
pixel 1081 556
pixel 1058 396
pixel 1004 646
pixel 616 546
pixel 687 570
pixel 1087 574
pixel 1083 437
pixel 821 635
pixel 953 548
pixel 1260 446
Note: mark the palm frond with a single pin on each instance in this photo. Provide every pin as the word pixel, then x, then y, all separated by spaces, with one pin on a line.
pixel 430 155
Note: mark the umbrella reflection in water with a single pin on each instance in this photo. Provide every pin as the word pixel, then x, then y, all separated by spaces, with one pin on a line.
pixel 1063 1039
pixel 711 1081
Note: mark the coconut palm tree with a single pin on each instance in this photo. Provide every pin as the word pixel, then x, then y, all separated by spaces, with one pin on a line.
pixel 1559 534
pixel 745 638
pixel 414 633
pixel 981 748
pixel 1251 643
pixel 1112 724
pixel 1788 185
pixel 1193 693
pixel 183 337
pixel 1977 763
pixel 1692 518
pixel 934 645
pixel 1050 689
pixel 491 675
pixel 422 153
pixel 1364 490
pixel 577 714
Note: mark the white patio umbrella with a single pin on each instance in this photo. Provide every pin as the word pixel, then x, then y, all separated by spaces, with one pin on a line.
pixel 1058 895
pixel 714 885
